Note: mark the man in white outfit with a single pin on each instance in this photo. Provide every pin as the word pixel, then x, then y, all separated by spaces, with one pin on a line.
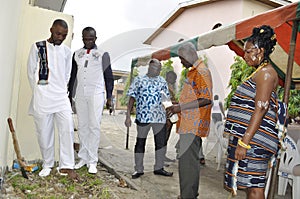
pixel 49 68
pixel 92 70
pixel 217 111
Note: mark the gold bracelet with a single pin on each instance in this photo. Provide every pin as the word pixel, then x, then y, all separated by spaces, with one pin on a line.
pixel 242 144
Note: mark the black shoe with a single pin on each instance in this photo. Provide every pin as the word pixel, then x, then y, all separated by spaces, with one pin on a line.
pixel 169 160
pixel 163 172
pixel 136 175
pixel 202 161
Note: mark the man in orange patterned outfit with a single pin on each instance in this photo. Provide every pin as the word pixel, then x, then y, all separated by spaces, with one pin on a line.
pixel 194 110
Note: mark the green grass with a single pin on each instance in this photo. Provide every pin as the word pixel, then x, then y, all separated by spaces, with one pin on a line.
pixel 55 186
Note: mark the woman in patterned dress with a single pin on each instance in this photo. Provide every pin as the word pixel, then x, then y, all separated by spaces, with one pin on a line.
pixel 251 119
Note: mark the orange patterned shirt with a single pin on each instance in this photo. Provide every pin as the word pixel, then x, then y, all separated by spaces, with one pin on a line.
pixel 197 85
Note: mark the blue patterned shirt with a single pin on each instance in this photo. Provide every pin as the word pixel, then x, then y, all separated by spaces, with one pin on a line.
pixel 146 91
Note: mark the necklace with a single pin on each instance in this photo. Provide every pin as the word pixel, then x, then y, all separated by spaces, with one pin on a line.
pixel 261 65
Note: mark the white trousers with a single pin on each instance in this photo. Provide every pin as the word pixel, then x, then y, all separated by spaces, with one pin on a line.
pixel 46 135
pixel 89 113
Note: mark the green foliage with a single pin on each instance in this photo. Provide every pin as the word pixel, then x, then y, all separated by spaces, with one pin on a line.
pixel 105 193
pixel 96 182
pixel 124 98
pixel 17 183
pixel 71 188
pixel 57 186
pixel 181 81
pixel 294 101
pixel 239 73
pixel 64 180
pixel 205 59
pixel 166 67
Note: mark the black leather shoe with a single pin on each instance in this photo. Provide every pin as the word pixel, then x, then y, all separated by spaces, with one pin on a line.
pixel 202 161
pixel 163 172
pixel 169 160
pixel 136 175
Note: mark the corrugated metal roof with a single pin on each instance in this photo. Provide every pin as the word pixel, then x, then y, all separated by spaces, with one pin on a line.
pixel 56 5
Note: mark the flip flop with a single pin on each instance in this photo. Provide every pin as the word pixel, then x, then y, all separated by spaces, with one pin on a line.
pixel 61 173
pixel 70 173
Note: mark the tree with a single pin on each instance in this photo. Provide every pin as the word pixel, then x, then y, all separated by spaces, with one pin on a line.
pixel 294 102
pixel 181 82
pixel 124 98
pixel 239 73
pixel 166 67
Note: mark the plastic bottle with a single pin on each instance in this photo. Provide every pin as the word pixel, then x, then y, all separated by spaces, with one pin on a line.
pixel 166 102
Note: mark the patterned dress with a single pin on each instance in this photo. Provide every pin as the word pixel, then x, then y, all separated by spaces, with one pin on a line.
pixel 251 171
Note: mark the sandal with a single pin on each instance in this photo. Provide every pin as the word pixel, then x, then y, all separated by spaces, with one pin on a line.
pixel 62 172
pixel 70 173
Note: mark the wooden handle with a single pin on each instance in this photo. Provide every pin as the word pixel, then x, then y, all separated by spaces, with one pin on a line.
pixel 10 124
pixel 15 142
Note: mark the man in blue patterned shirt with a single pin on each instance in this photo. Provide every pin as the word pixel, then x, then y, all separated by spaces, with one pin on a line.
pixel 146 91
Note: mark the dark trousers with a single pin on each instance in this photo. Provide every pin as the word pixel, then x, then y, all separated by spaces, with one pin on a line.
pixel 159 131
pixel 216 117
pixel 189 165
pixel 169 126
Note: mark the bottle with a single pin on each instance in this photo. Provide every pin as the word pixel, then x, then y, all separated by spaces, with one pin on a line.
pixel 166 102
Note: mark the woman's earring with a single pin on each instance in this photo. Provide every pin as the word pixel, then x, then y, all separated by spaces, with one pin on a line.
pixel 259 58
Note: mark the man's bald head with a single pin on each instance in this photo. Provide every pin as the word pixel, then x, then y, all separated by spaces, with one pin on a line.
pixel 187 54
pixel 59 32
pixel 60 22
pixel 154 68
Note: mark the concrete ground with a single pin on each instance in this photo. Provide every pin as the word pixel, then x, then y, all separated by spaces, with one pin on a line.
pixel 114 155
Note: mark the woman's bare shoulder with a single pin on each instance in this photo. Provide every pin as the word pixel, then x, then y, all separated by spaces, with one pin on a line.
pixel 268 75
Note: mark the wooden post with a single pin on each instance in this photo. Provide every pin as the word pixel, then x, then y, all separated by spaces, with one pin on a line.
pixel 287 85
pixel 127 134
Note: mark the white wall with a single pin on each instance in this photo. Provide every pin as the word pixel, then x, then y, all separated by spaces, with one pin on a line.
pixel 195 21
pixel 251 8
pixel 26 25
pixel 10 12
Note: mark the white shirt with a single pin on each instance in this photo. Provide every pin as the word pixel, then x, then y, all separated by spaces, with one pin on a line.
pixel 52 97
pixel 216 107
pixel 90 79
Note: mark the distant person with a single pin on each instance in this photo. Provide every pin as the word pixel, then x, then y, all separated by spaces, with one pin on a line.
pixel 171 80
pixel 91 69
pixel 112 109
pixel 146 91
pixel 194 111
pixel 49 68
pixel 252 117
pixel 217 111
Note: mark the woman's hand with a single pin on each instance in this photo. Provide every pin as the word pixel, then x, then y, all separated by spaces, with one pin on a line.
pixel 240 153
